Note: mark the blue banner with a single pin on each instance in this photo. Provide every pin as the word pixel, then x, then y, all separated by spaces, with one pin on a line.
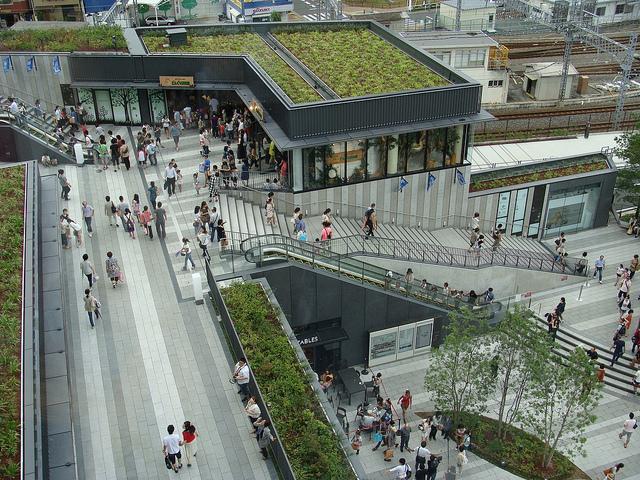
pixel 460 177
pixel 431 179
pixel 93 6
pixel 55 65
pixel 7 64
pixel 403 183
pixel 31 64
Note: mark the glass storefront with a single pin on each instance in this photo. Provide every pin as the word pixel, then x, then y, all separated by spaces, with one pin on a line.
pixel 572 209
pixel 373 158
pixel 400 342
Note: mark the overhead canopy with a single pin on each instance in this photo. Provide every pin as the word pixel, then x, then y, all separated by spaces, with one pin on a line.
pixel 152 3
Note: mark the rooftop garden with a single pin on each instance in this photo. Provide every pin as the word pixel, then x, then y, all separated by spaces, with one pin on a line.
pixel 309 441
pixel 535 172
pixel 286 77
pixel 11 226
pixel 90 39
pixel 355 61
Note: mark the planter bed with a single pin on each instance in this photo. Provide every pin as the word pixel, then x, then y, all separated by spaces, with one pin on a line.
pixel 11 233
pixel 298 90
pixel 309 441
pixel 89 39
pixel 355 61
pixel 508 181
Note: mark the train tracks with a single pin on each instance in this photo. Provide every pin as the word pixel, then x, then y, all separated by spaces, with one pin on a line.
pixel 554 112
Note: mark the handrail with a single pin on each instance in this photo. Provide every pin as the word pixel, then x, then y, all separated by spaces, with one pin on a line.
pixel 258 248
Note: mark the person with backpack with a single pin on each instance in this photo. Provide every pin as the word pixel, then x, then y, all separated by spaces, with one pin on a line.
pixel 628 427
pixel 401 471
pixel 610 473
pixel 370 222
pixel 581 264
pixel 327 231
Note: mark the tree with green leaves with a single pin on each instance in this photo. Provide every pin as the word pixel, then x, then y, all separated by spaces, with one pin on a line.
pixel 164 6
pixel 459 377
pixel 563 395
pixel 520 350
pixel 143 8
pixel 628 178
pixel 275 17
pixel 189 5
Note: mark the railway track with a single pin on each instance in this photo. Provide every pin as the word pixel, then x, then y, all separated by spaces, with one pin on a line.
pixel 561 113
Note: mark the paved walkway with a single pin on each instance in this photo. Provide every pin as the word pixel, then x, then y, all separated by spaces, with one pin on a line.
pixel 155 358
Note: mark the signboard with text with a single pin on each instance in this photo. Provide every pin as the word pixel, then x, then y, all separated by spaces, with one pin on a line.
pixel 172 81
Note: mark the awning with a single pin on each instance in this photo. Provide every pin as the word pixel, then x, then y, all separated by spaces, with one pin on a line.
pixel 321 337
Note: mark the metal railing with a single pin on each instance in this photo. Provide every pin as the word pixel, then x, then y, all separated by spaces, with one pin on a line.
pixel 258 249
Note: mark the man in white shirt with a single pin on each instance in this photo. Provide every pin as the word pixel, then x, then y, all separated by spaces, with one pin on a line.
pixel 628 427
pixel 171 448
pixel 15 111
pixel 400 472
pixel 241 375
pixel 422 455
pixel 170 176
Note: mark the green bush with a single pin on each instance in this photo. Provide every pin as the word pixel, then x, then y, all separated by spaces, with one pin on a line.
pixel 11 226
pixel 91 39
pixel 310 443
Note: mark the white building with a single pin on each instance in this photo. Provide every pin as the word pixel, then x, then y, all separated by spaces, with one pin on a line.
pixel 473 53
pixel 542 80
pixel 475 15
pixel 601 12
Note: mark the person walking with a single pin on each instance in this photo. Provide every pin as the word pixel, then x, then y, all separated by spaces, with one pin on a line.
pixel 401 471
pixel 123 206
pixel 475 221
pixel 91 305
pixel 636 382
pixel 370 220
pixel 87 268
pixel 497 237
pixel 171 444
pixel 110 211
pixel 405 436
pixel 113 269
pixel 153 194
pixel 64 183
pixel 560 307
pixel 170 175
pixel 129 224
pixel 252 409
pixel 161 220
pixel 124 153
pixel 356 441
pixel 145 220
pixel 185 251
pixel 87 214
pixel 103 152
pixel 461 460
pixel 241 377
pixel 618 349
pixel 270 212
pixel 599 267
pixel 264 437
pixel 628 427
pixel 405 402
pixel 422 454
pixel 432 466
pixel 175 134
pixel 203 241
pixel 114 149
pixel 189 436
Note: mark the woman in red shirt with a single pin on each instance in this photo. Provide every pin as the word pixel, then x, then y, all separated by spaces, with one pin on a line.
pixel 189 436
pixel 405 403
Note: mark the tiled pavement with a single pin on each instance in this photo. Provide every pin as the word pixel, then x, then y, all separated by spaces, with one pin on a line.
pixel 157 358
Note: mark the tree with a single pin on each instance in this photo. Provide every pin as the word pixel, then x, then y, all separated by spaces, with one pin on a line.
pixel 189 5
pixel 124 97
pixel 628 178
pixel 164 6
pixel 275 17
pixel 563 394
pixel 459 377
pixel 520 348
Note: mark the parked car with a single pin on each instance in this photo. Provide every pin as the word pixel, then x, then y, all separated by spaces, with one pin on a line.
pixel 159 21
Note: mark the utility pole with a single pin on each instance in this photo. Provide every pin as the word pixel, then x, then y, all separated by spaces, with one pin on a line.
pixel 458 15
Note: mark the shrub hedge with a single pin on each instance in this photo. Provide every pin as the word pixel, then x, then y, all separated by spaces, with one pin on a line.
pixel 311 445
pixel 11 231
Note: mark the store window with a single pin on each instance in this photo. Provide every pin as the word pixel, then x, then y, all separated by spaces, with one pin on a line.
pixel 393 154
pixel 126 108
pixel 416 151
pixel 158 105
pixel 355 162
pixel 103 105
pixel 435 150
pixel 85 97
pixel 313 167
pixel 572 209
pixel 535 215
pixel 503 208
pixel 376 157
pixel 453 146
pixel 334 160
pixel 519 211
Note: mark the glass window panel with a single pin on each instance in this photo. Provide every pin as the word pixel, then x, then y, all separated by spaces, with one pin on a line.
pixel 423 335
pixel 103 102
pixel 158 105
pixel 125 104
pixel 356 164
pixel 519 211
pixel 404 143
pixel 453 146
pixel 335 163
pixel 376 157
pixel 417 146
pixel 435 148
pixel 383 345
pixel 85 96
pixel 313 168
pixel 503 208
pixel 393 150
pixel 405 340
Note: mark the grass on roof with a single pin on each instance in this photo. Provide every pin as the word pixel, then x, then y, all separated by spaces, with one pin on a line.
pixel 356 62
pixel 291 83
pixel 89 39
